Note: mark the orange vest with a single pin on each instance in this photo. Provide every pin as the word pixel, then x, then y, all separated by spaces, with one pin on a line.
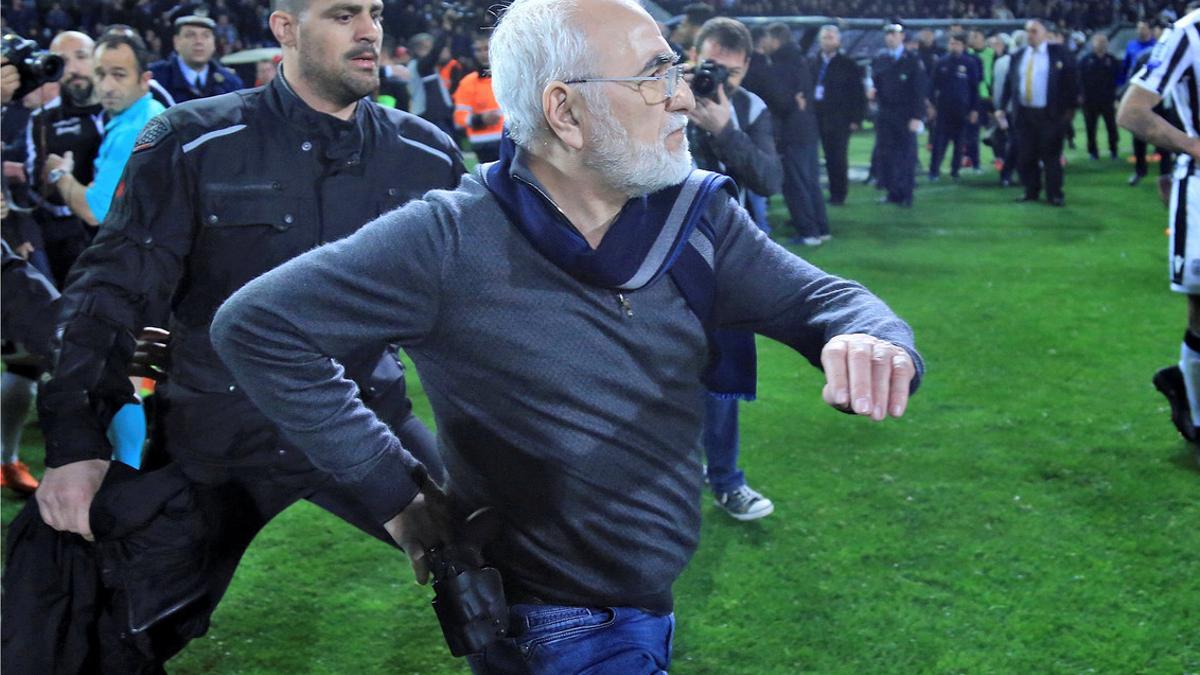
pixel 474 97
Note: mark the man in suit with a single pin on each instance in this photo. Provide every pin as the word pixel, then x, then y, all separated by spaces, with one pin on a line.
pixel 192 72
pixel 840 102
pixel 787 88
pixel 1043 84
pixel 900 89
pixel 1098 73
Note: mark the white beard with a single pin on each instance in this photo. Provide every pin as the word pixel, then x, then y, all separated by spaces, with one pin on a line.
pixel 630 167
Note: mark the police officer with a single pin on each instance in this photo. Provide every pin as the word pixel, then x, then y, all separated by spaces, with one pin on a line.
pixel 217 192
pixel 1098 74
pixel 192 72
pixel 955 97
pixel 900 85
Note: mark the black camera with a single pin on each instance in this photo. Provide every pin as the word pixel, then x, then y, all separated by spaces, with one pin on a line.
pixel 35 65
pixel 469 595
pixel 707 77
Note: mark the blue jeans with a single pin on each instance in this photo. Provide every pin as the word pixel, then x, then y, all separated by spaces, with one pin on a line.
pixel 558 640
pixel 721 445
pixel 756 206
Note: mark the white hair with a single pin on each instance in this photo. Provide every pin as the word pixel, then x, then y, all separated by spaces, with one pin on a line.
pixel 535 43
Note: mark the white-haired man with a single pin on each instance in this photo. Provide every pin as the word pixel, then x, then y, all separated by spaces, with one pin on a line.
pixel 563 307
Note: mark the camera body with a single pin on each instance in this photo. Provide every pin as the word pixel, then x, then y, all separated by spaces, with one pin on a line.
pixel 35 65
pixel 707 78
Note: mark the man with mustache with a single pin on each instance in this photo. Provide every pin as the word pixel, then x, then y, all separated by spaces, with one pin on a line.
pixel 123 84
pixel 218 191
pixel 562 306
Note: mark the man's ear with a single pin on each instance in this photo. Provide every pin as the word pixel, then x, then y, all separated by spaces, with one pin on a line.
pixel 284 26
pixel 563 108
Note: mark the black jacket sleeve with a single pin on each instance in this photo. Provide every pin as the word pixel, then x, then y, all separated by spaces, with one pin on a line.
pixel 27 305
pixel 133 266
pixel 749 154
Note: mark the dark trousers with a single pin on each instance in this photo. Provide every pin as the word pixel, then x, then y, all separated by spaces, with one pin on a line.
pixel 172 572
pixel 1040 142
pixel 949 128
pixel 835 141
pixel 1165 162
pixel 897 157
pixel 65 239
pixel 1091 114
pixel 802 188
pixel 970 136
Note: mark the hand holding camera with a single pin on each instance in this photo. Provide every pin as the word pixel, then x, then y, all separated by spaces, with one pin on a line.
pixel 713 109
pixel 25 66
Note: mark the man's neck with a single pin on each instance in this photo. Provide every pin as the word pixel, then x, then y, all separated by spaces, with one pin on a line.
pixel 306 93
pixel 200 68
pixel 590 206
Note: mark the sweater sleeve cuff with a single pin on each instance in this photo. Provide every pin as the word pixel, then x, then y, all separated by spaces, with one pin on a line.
pixel 389 487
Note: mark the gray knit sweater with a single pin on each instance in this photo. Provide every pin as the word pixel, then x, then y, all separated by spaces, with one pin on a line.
pixel 578 422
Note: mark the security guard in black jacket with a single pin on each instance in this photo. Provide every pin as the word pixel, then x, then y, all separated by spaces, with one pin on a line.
pixel 216 192
pixel 900 86
pixel 1098 74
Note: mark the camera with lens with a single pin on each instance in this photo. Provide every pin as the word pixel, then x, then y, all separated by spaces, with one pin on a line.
pixel 35 65
pixel 707 78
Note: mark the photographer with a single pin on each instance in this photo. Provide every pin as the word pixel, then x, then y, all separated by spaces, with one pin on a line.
pixel 74 123
pixel 730 132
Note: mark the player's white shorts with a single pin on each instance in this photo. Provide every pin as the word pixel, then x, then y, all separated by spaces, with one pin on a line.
pixel 1185 229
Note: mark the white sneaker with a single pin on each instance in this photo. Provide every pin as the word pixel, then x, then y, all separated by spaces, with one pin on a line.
pixel 744 503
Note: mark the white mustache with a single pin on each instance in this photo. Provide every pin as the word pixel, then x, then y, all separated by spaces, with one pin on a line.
pixel 676 122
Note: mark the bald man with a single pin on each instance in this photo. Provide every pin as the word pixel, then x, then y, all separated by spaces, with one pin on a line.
pixel 71 123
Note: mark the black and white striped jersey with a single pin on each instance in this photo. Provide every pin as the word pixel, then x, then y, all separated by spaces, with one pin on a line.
pixel 1173 69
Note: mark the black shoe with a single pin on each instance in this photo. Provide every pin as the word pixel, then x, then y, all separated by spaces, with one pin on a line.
pixel 837 202
pixel 1169 381
pixel 1135 179
pixel 1093 156
pixel 1025 198
pixel 1058 201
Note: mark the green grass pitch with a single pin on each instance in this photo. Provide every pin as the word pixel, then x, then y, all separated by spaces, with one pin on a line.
pixel 1033 512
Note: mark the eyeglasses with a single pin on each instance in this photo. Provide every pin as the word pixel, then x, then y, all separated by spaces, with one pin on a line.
pixel 663 92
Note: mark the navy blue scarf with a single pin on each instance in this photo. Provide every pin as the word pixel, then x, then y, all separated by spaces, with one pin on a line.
pixel 666 232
